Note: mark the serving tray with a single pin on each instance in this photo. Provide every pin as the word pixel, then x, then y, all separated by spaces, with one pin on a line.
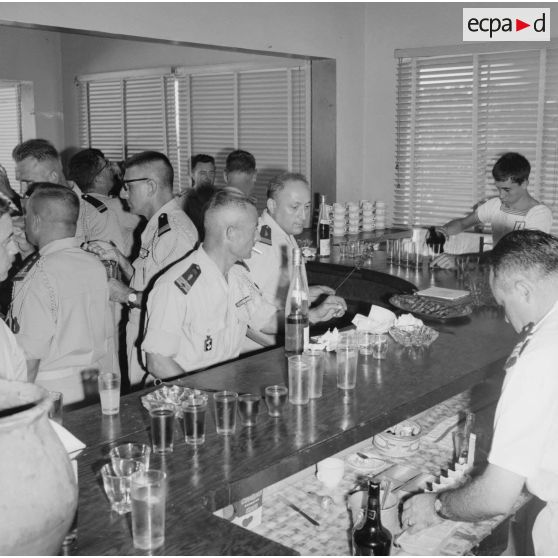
pixel 430 309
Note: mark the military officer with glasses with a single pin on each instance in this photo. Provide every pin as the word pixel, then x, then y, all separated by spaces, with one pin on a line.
pixel 95 177
pixel 168 236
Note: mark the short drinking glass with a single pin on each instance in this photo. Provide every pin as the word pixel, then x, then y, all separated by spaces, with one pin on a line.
pixel 225 412
pixel 194 410
pixel 109 391
pixel 275 399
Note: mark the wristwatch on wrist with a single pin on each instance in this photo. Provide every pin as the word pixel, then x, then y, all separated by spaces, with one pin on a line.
pixel 438 507
pixel 133 299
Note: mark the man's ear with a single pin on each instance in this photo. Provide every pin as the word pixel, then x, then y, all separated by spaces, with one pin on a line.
pixel 54 177
pixel 230 232
pixel 254 176
pixel 225 177
pixel 524 289
pixel 271 206
pixel 152 187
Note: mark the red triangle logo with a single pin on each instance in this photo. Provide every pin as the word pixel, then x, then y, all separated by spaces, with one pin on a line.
pixel 519 25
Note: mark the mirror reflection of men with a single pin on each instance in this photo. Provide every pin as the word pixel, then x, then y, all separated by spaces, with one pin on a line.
pixel 524 452
pixel 513 209
pixel 37 160
pixel 168 236
pixel 203 188
pixel 240 172
pixel 288 205
pixel 60 311
pixel 199 311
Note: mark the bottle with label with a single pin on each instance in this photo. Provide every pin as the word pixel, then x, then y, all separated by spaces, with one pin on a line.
pixel 370 537
pixel 297 324
pixel 323 241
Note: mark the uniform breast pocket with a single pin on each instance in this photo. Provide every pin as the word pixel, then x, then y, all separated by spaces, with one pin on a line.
pixel 206 335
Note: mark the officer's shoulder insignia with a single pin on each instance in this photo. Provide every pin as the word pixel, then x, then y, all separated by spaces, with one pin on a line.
pixel 186 281
pixel 97 204
pixel 164 225
pixel 28 263
pixel 265 234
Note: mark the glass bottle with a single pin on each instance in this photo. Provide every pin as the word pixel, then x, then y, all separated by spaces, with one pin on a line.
pixel 323 241
pixel 297 324
pixel 370 537
pixel 435 241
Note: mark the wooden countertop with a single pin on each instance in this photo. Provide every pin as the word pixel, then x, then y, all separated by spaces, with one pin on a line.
pixel 225 469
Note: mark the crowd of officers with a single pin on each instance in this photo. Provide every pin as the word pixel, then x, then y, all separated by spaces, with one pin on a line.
pixel 113 263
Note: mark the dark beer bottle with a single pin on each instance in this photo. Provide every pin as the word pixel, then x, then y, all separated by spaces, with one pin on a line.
pixel 370 537
pixel 322 236
pixel 435 240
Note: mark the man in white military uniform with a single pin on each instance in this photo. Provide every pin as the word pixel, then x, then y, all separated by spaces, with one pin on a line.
pixel 94 175
pixel 38 161
pixel 200 310
pixel 524 452
pixel 240 172
pixel 288 205
pixel 60 304
pixel 168 236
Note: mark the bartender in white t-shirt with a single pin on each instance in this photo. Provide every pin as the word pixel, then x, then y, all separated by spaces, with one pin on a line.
pixel 514 208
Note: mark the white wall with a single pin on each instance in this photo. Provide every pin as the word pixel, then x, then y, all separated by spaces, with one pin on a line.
pixel 32 55
pixel 83 54
pixel 324 30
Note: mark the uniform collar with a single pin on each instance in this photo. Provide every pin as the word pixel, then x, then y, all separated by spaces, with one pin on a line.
pixel 276 231
pixel 76 190
pixel 58 245
pixel 169 207
pixel 205 260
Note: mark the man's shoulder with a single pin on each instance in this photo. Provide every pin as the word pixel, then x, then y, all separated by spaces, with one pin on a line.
pixel 70 257
pixel 175 223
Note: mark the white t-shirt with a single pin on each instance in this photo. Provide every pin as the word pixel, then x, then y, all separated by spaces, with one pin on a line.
pixel 526 425
pixel 505 220
pixel 12 360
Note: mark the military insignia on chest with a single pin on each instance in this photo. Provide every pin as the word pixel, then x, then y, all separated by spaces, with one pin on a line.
pixel 187 279
pixel 265 235
pixel 144 252
pixel 208 343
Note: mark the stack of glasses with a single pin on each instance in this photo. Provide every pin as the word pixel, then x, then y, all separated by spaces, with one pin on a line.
pixel 368 221
pixel 353 217
pixel 380 215
pixel 339 223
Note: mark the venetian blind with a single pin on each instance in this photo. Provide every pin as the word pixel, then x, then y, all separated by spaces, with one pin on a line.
pixel 10 125
pixel 202 110
pixel 456 114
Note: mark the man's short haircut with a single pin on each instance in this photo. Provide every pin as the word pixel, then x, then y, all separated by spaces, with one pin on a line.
pixel 512 166
pixel 148 158
pixel 61 196
pixel 279 182
pixel 525 252
pixel 240 161
pixel 223 199
pixel 39 149
pixel 202 158
pixel 84 167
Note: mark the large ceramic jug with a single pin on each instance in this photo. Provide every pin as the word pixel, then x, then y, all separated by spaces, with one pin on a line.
pixel 38 490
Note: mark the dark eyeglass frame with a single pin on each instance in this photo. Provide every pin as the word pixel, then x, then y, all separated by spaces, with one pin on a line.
pixel 131 181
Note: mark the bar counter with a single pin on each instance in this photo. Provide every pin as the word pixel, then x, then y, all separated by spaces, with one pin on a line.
pixel 468 351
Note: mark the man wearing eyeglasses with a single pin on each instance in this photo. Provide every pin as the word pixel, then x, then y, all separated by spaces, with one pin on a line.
pixel 168 236
pixel 94 175
pixel 37 160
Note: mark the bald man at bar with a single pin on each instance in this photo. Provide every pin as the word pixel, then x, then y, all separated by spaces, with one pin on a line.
pixel 60 306
pixel 201 309
pixel 524 452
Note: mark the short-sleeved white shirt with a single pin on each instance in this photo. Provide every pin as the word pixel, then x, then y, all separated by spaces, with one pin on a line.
pixel 61 313
pixel 505 220
pixel 205 325
pixel 12 360
pixel 91 223
pixel 525 438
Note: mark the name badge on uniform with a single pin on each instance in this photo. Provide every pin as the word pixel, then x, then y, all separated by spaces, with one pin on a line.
pixel 265 235
pixel 208 343
pixel 186 281
pixel 144 252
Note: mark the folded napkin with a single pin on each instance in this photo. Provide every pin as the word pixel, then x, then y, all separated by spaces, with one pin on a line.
pixel 71 444
pixel 327 341
pixel 406 320
pixel 379 320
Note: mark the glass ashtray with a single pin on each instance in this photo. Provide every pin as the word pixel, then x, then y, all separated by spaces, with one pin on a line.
pixel 414 336
pixel 169 395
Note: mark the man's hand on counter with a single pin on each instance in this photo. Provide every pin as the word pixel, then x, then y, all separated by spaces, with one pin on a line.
pixel 315 291
pixel 419 513
pixel 332 307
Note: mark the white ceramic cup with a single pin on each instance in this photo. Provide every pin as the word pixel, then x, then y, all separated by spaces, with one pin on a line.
pixel 330 471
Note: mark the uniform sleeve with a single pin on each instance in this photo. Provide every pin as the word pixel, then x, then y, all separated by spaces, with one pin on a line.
pixel 528 399
pixel 485 212
pixel 166 311
pixel 35 318
pixel 539 218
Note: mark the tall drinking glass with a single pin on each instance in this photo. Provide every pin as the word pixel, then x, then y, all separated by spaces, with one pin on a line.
pixel 225 412
pixel 347 357
pixel 299 380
